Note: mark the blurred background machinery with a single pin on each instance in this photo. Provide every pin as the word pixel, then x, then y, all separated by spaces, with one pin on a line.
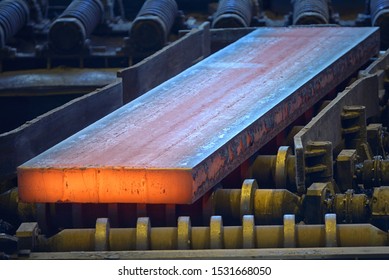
pixel 318 184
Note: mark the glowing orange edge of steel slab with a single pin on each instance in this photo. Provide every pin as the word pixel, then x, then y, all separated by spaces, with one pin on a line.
pixel 120 187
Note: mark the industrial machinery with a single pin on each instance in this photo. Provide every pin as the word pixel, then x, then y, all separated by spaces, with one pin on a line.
pixel 194 129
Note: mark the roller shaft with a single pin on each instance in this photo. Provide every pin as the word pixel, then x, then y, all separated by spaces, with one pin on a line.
pixel 379 10
pixel 233 13
pixel 215 236
pixel 14 14
pixel 70 30
pixel 152 25
pixel 310 12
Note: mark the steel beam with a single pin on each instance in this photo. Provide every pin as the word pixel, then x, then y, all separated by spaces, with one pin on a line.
pixel 177 141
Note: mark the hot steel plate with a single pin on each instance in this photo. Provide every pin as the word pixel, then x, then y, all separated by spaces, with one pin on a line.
pixel 178 140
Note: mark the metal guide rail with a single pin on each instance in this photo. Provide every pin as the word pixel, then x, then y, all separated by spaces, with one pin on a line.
pixel 180 139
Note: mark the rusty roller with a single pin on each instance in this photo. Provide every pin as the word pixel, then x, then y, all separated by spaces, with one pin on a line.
pixel 380 17
pixel 14 14
pixel 233 14
pixel 152 25
pixel 69 31
pixel 310 12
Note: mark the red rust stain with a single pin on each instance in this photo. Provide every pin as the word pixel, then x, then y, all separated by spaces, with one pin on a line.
pixel 200 178
pixel 240 148
pixel 249 140
pixel 230 154
pixel 215 166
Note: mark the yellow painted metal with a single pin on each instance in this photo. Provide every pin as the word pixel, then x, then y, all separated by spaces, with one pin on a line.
pixel 267 205
pixel 216 236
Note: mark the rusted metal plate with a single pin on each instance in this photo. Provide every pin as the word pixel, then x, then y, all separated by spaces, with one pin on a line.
pixel 178 140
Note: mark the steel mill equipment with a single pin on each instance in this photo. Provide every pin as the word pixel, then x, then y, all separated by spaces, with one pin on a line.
pixel 176 129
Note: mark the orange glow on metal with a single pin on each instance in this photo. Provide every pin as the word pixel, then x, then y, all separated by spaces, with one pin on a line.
pixel 177 141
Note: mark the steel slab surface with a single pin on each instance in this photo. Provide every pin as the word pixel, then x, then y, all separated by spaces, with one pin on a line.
pixel 177 141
